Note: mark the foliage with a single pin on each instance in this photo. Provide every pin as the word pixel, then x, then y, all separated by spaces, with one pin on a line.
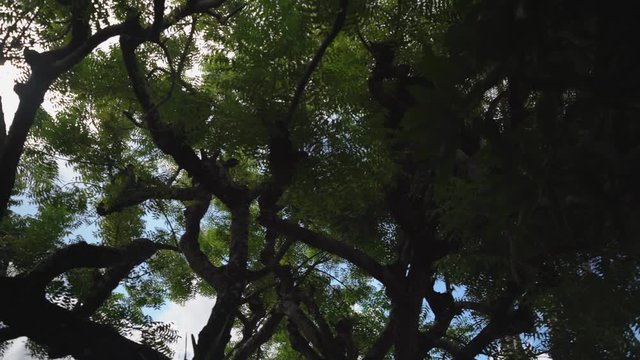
pixel 349 179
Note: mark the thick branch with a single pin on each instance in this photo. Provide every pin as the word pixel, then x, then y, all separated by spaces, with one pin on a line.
pixel 474 306
pixel 209 172
pixel 158 17
pixel 445 309
pixel 189 245
pixel 248 347
pixel 85 255
pixel 312 325
pixel 61 331
pixel 300 344
pixel 340 249
pixel 31 96
pixel 107 283
pixel 203 5
pixel 138 195
pixel 216 334
pixel 45 68
pixel 239 244
pixel 507 322
pixel 446 345
pixel 321 323
pixel 271 263
pixel 306 327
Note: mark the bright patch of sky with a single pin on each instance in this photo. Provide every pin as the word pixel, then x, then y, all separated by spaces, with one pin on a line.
pixel 188 318
pixel 10 100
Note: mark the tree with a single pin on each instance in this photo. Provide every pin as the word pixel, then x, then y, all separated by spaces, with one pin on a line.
pixel 349 179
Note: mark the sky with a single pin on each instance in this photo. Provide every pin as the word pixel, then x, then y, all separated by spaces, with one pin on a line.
pixel 188 318
pixel 8 74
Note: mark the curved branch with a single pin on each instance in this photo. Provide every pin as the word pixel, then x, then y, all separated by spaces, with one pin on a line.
pixel 507 322
pixel 340 249
pixel 216 334
pixel 209 172
pixel 93 256
pixel 103 288
pixel 60 330
pixel 189 245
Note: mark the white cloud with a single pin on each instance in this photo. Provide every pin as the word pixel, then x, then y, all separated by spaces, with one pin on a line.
pixel 8 74
pixel 10 100
pixel 66 172
pixel 188 318
pixel 17 350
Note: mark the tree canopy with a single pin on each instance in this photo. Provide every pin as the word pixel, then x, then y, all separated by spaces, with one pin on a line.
pixel 349 179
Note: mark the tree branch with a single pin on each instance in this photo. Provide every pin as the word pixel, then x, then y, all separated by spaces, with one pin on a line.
pixel 3 128
pixel 158 17
pixel 137 195
pixel 381 346
pixel 93 256
pixel 445 309
pixel 103 288
pixel 282 155
pixel 189 245
pixel 315 61
pixel 214 337
pixel 300 344
pixel 446 345
pixel 62 332
pixel 503 323
pixel 248 347
pixel 209 172
pixel 340 249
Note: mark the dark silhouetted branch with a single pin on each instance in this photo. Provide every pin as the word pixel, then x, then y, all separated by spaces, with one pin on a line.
pixel 345 251
pixel 189 245
pixel 91 256
pixel 3 128
pixel 264 333
pixel 62 332
pixel 315 61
